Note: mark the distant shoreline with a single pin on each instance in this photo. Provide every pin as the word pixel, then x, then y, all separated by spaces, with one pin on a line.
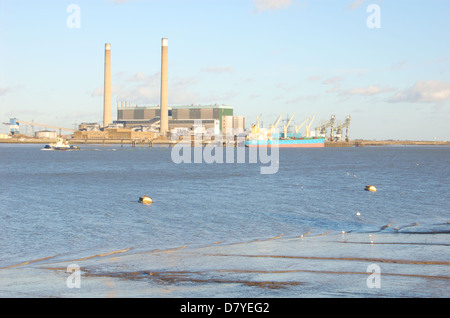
pixel 352 143
pixel 401 143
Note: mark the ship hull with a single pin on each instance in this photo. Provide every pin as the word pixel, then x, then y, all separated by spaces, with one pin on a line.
pixel 287 143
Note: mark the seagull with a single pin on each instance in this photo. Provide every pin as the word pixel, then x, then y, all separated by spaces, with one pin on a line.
pixel 357 213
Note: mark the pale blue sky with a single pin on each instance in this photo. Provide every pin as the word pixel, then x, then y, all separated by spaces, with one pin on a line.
pixel 260 56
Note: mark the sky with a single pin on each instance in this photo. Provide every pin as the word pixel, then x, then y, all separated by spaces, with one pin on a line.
pixel 385 63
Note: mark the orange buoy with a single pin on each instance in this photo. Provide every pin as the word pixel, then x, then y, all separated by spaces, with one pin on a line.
pixel 145 200
pixel 371 188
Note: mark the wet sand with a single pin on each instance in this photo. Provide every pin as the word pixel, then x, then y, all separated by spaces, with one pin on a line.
pixel 343 265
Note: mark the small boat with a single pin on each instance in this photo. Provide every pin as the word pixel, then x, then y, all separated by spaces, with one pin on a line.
pixel 60 144
pixel 370 188
pixel 145 200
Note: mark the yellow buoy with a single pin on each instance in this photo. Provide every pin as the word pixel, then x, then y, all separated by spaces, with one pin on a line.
pixel 371 188
pixel 145 200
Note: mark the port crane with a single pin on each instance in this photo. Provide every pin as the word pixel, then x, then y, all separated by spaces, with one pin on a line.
pixel 255 127
pixel 275 125
pixel 287 125
pixel 307 131
pixel 297 128
pixel 339 129
pixel 322 129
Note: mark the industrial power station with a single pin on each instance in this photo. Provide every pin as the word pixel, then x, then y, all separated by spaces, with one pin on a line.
pixel 149 122
pixel 157 121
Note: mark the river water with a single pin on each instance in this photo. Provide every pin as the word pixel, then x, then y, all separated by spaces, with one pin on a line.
pixel 69 204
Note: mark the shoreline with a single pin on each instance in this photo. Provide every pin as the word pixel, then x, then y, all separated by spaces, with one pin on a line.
pixel 300 267
pixel 352 143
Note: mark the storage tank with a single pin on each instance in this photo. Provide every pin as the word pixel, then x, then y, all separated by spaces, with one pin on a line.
pixel 47 134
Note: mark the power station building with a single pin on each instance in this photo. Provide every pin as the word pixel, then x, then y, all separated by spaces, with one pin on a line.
pixel 211 116
pixel 161 120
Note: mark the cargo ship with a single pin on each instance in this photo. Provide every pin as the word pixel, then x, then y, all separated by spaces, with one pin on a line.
pixel 313 142
pixel 261 137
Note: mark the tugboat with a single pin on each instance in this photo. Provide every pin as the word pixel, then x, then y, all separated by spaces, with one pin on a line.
pixel 60 144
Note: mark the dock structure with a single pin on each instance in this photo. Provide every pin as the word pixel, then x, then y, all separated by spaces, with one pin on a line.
pixel 150 142
pixel 153 142
pixel 192 142
pixel 340 144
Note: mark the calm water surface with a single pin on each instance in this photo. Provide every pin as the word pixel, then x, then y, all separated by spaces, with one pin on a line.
pixel 86 202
